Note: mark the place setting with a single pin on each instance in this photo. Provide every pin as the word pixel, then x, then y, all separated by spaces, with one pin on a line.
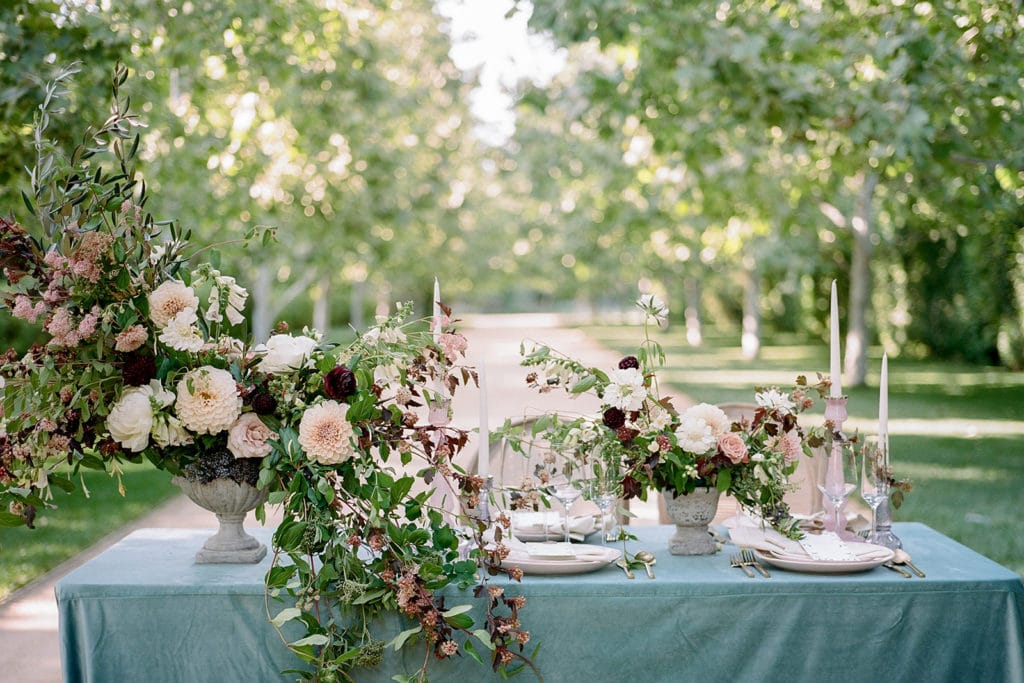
pixel 857 463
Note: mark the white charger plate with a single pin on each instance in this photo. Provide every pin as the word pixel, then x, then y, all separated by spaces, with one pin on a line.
pixel 596 558
pixel 869 557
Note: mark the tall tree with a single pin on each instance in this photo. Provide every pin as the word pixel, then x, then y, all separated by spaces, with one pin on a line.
pixel 829 107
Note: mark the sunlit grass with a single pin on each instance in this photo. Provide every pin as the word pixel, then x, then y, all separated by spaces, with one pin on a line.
pixel 27 554
pixel 957 431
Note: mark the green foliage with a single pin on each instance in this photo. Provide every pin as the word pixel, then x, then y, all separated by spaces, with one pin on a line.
pixel 770 116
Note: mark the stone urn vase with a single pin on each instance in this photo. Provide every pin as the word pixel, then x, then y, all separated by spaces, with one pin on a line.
pixel 691 514
pixel 230 501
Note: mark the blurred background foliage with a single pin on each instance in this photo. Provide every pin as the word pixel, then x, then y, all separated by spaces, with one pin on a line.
pixel 733 156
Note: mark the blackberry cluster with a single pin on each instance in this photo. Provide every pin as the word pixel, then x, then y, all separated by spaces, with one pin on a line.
pixel 775 514
pixel 222 465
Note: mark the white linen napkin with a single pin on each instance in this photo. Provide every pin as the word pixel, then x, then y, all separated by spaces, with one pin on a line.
pixel 826 546
pixel 763 539
pixel 550 522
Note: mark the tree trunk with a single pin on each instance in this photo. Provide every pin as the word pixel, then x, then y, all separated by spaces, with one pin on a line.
pixel 266 307
pixel 322 305
pixel 751 340
pixel 856 358
pixel 383 297
pixel 358 294
pixel 261 304
pixel 691 295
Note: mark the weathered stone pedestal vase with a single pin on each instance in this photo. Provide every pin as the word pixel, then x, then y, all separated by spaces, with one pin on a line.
pixel 230 501
pixel 691 514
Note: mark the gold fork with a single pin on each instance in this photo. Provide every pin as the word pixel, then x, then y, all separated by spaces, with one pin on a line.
pixel 737 561
pixel 748 557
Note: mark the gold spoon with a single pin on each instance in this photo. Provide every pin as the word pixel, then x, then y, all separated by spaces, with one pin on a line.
pixel 647 559
pixel 621 563
pixel 901 557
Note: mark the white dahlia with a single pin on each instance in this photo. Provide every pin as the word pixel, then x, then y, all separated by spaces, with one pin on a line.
pixel 182 332
pixel 694 435
pixel 713 416
pixel 208 400
pixel 326 434
pixel 170 299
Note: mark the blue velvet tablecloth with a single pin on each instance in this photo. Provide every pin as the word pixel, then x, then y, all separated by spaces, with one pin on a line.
pixel 143 611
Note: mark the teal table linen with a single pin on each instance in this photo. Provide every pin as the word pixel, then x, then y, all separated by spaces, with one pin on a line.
pixel 143 611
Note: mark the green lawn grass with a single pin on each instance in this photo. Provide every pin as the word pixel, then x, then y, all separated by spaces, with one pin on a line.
pixel 77 523
pixel 957 431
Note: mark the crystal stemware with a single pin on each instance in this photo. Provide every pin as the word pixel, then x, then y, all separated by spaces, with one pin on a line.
pixel 874 480
pixel 840 476
pixel 603 490
pixel 565 486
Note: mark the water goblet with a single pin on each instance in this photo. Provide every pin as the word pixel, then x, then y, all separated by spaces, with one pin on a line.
pixel 840 476
pixel 565 486
pixel 603 491
pixel 874 478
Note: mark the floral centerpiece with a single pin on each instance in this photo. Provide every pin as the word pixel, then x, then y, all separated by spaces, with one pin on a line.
pixel 653 446
pixel 144 358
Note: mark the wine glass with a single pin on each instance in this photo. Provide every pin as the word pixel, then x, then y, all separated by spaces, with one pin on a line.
pixel 603 490
pixel 874 479
pixel 565 486
pixel 841 473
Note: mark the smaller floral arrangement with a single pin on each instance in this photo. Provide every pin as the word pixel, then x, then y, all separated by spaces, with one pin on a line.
pixel 656 447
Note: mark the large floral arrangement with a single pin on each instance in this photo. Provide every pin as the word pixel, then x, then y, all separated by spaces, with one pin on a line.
pixel 652 446
pixel 144 357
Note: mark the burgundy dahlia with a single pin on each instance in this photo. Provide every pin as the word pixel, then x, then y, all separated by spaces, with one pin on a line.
pixel 625 434
pixel 340 383
pixel 138 369
pixel 614 418
pixel 263 403
pixel 629 362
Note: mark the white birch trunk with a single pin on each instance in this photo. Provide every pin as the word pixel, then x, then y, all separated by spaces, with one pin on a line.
pixel 691 294
pixel 751 339
pixel 322 305
pixel 856 357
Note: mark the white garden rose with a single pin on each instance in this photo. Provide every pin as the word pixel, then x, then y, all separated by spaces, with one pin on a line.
pixel 326 434
pixel 131 419
pixel 170 299
pixel 249 437
pixel 284 353
pixel 208 401
pixel 168 431
pixel 713 416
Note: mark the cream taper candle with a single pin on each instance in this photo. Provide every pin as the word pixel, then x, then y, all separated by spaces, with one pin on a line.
pixel 835 374
pixel 484 458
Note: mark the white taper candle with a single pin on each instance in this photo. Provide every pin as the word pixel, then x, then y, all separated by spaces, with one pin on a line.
pixel 835 374
pixel 883 407
pixel 484 458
